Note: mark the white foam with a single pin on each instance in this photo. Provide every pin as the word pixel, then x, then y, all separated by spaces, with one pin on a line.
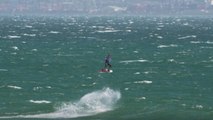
pixel 49 87
pixel 137 73
pixel 146 72
pixel 34 50
pixel 135 51
pixel 195 42
pixel 143 82
pixel 89 77
pixel 30 35
pixel 132 61
pixel 14 87
pixel 186 37
pixel 126 89
pixel 165 46
pixel 13 37
pixel 128 30
pixel 209 42
pixel 171 60
pixel 131 22
pixel 92 84
pixel 199 42
pixel 39 101
pixel 140 98
pixel 159 29
pixel 90 104
pixel 159 37
pixel 198 106
pixel 54 32
pixel 203 47
pixel 36 88
pixel 15 48
pixel 28 26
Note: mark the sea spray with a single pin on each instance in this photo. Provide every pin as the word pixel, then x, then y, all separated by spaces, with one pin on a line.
pixel 90 104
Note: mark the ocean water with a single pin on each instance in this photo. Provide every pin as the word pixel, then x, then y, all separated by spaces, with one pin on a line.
pixel 162 68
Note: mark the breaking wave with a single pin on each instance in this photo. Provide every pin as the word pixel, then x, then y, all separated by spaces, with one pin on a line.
pixel 90 104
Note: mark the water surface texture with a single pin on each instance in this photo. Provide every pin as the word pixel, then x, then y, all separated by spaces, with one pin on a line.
pixel 162 68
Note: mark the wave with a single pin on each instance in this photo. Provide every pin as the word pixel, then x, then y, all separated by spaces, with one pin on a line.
pixel 54 32
pixel 166 46
pixel 15 48
pixel 132 61
pixel 186 37
pixel 13 36
pixel 201 42
pixel 14 87
pixel 90 104
pixel 143 82
pixel 39 101
pixel 29 35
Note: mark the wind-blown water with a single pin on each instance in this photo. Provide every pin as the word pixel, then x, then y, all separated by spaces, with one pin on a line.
pixel 162 68
pixel 90 104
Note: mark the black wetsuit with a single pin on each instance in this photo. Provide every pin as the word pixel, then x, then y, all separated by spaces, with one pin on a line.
pixel 107 61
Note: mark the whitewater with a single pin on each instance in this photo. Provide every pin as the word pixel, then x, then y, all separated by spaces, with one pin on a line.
pixel 90 104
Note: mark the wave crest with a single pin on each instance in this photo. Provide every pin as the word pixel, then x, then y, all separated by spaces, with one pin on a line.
pixel 90 104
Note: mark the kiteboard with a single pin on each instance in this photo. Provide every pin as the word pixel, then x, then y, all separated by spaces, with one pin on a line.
pixel 104 70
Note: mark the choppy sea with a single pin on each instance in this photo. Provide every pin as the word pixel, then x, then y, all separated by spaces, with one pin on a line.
pixel 162 68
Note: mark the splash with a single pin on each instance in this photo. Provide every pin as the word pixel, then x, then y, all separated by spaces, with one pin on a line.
pixel 90 104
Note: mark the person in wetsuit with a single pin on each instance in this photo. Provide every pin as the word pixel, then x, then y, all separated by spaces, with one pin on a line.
pixel 107 62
